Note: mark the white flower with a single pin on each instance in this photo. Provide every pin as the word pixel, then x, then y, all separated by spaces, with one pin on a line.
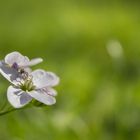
pixel 26 84
pixel 37 85
pixel 13 62
pixel 17 60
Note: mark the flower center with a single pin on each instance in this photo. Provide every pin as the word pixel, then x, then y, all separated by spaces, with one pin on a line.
pixel 25 82
pixel 27 85
pixel 24 79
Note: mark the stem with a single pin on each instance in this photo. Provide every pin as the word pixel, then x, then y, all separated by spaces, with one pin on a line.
pixel 8 111
pixel 11 109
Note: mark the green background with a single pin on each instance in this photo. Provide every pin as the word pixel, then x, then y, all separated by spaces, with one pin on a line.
pixel 94 47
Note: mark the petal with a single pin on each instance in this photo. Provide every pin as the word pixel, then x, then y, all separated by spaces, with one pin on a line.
pixel 35 61
pixel 9 73
pixel 16 57
pixel 27 69
pixel 43 79
pixel 42 97
pixel 17 97
pixel 50 91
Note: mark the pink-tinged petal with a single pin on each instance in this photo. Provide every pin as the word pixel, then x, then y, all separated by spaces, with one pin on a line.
pixel 43 79
pixel 17 98
pixel 9 73
pixel 16 57
pixel 42 97
pixel 50 91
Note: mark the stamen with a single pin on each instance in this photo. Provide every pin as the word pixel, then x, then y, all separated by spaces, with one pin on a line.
pixel 26 84
pixel 24 81
pixel 23 74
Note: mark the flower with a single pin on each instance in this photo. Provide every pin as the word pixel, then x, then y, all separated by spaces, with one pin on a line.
pixel 17 60
pixel 14 63
pixel 27 84
pixel 36 85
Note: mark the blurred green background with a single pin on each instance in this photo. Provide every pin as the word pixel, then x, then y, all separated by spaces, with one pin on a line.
pixel 94 47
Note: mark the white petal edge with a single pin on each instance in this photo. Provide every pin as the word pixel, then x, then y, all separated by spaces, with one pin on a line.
pixel 43 79
pixel 17 98
pixel 16 57
pixel 42 97
pixel 34 61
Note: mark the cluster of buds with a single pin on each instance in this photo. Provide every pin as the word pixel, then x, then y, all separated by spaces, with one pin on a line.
pixel 27 85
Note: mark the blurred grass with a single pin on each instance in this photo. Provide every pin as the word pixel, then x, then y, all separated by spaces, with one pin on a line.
pixel 99 95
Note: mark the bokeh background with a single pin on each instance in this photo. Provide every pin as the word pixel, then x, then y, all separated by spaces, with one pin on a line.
pixel 94 47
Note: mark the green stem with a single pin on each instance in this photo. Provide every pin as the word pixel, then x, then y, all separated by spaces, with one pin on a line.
pixel 11 109
pixel 8 111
